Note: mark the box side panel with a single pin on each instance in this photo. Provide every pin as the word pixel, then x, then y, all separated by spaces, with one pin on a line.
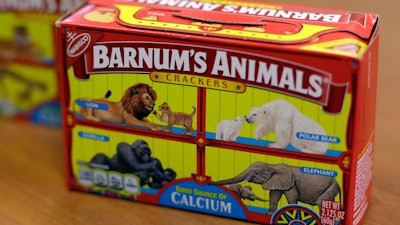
pixel 364 132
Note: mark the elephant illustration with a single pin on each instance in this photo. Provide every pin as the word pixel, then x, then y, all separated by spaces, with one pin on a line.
pixel 244 192
pixel 282 179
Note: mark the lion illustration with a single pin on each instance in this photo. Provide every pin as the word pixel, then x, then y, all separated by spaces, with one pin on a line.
pixel 136 104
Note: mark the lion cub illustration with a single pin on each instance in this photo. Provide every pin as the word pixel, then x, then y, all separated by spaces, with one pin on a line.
pixel 176 118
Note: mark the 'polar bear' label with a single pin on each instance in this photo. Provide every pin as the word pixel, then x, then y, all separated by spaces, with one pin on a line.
pixel 317 137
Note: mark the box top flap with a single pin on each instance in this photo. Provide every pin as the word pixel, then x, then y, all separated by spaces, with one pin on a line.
pixel 329 31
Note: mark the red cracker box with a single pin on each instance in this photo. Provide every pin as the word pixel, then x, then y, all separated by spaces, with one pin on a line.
pixel 255 111
pixel 28 72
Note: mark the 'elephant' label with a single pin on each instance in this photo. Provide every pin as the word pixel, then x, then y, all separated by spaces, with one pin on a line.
pixel 321 172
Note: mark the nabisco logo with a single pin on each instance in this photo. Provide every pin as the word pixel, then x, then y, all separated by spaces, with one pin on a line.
pixel 78 44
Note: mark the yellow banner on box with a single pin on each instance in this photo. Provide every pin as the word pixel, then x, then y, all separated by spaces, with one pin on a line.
pixel 197 81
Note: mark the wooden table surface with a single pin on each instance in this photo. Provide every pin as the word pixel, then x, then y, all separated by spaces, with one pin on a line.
pixel 32 185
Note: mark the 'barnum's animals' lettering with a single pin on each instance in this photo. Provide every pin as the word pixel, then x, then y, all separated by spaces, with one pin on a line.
pixel 285 14
pixel 252 70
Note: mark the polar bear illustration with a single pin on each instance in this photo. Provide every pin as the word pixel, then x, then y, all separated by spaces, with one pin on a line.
pixel 286 121
pixel 228 130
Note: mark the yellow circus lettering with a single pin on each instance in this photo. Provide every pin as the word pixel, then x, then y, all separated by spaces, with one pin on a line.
pixel 197 81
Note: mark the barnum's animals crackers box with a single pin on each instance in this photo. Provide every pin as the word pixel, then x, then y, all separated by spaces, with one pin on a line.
pixel 255 111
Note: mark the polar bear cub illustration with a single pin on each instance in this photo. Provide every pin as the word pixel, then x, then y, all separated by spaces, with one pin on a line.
pixel 228 130
pixel 286 121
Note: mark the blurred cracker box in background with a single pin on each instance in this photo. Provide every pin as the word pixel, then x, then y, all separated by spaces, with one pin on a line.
pixel 28 69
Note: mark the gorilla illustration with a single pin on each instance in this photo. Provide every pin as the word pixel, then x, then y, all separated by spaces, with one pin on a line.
pixel 136 159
